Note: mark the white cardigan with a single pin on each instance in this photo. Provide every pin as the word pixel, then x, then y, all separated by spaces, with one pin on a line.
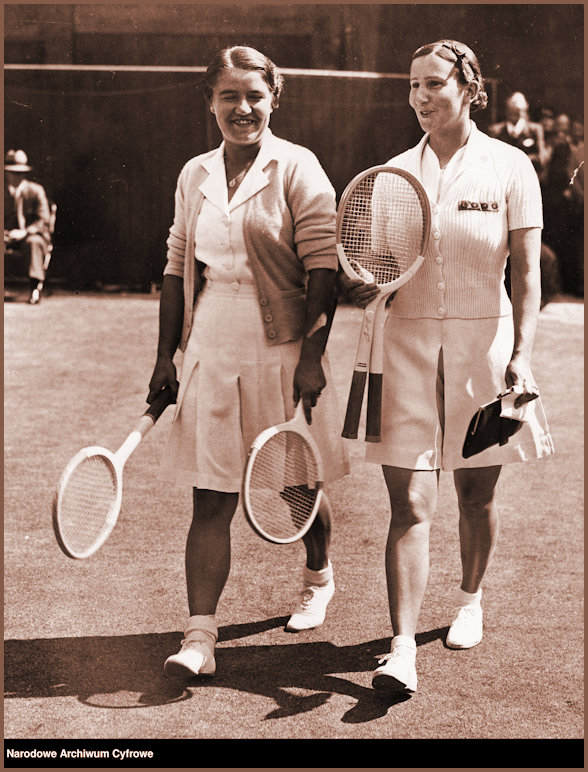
pixel 289 229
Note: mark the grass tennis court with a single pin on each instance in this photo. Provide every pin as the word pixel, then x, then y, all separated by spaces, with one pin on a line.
pixel 86 640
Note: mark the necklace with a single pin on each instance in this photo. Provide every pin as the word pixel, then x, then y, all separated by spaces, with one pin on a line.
pixel 239 177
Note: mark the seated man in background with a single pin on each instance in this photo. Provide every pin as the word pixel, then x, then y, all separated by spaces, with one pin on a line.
pixel 26 218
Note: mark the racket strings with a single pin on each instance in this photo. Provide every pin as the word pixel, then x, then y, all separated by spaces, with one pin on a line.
pixel 283 485
pixel 383 226
pixel 85 503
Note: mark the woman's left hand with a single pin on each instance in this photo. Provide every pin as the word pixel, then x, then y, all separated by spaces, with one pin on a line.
pixel 519 374
pixel 309 381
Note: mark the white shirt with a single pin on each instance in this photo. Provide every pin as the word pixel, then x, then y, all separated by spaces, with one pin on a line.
pixel 434 178
pixel 219 228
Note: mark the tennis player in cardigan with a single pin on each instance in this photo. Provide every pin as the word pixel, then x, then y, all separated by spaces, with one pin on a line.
pixel 246 295
pixel 453 341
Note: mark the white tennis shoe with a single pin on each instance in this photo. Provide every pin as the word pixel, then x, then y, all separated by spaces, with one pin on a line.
pixel 196 657
pixel 312 607
pixel 466 628
pixel 397 674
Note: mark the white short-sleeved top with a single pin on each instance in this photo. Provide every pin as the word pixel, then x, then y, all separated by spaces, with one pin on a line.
pixel 491 189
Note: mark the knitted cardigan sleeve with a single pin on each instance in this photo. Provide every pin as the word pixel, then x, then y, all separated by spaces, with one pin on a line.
pixel 176 242
pixel 311 198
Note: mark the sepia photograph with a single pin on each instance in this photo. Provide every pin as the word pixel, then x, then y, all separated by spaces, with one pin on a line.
pixel 293 384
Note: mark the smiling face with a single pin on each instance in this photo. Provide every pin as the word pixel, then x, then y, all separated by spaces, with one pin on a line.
pixel 441 102
pixel 242 104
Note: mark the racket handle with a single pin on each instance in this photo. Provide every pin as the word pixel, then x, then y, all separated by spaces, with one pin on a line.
pixel 374 408
pixel 354 403
pixel 161 401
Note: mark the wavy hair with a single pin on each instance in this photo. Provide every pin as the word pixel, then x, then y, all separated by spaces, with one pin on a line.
pixel 466 64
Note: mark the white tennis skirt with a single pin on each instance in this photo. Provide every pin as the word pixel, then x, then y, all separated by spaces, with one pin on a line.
pixel 232 387
pixel 436 375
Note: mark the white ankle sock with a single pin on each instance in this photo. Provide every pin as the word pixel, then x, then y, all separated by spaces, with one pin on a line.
pixel 406 641
pixel 318 578
pixel 464 598
pixel 203 623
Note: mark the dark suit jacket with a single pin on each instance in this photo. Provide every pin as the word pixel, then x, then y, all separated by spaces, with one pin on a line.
pixel 530 141
pixel 35 208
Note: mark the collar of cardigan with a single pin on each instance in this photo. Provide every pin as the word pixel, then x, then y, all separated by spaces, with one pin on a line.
pixel 267 152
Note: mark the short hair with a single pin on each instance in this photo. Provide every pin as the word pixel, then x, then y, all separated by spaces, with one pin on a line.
pixel 465 61
pixel 244 58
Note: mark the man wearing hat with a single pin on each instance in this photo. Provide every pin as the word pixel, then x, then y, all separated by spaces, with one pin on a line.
pixel 26 218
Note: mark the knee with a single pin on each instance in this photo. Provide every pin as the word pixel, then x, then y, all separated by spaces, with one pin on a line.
pixel 474 502
pixel 410 508
pixel 214 506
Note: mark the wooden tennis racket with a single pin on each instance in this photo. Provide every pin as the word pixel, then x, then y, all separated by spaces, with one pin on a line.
pixel 383 226
pixel 283 481
pixel 88 498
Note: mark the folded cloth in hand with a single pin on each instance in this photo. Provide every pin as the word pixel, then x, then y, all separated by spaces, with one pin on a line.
pixel 494 423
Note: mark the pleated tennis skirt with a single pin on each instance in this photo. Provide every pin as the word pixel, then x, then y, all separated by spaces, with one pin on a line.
pixel 437 372
pixel 232 387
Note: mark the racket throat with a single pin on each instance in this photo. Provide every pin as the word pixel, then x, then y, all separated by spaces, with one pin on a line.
pixel 129 445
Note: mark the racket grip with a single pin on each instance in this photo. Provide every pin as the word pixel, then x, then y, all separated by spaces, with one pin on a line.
pixel 354 403
pixel 374 408
pixel 161 401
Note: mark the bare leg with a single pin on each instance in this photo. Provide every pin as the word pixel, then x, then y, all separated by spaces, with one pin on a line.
pixel 208 549
pixel 413 498
pixel 318 538
pixel 317 588
pixel 478 521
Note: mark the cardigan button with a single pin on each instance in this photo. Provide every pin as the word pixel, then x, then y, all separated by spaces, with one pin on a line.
pixel 263 301
pixel 271 334
pixel 268 318
pixel 441 311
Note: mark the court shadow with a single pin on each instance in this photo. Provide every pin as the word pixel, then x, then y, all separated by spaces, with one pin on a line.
pixel 125 672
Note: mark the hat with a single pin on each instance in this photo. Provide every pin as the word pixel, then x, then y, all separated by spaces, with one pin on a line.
pixel 16 161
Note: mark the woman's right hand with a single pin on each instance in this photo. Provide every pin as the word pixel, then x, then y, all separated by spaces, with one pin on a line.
pixel 164 375
pixel 358 292
pixel 362 294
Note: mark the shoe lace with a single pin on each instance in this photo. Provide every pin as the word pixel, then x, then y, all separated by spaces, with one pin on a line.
pixel 398 652
pixel 307 596
pixel 464 616
pixel 466 612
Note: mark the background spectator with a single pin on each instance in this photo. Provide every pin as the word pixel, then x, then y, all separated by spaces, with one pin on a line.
pixel 563 202
pixel 26 218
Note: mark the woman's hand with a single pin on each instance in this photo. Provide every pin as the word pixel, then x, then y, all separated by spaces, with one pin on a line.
pixel 525 279
pixel 164 375
pixel 518 373
pixel 358 292
pixel 309 381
